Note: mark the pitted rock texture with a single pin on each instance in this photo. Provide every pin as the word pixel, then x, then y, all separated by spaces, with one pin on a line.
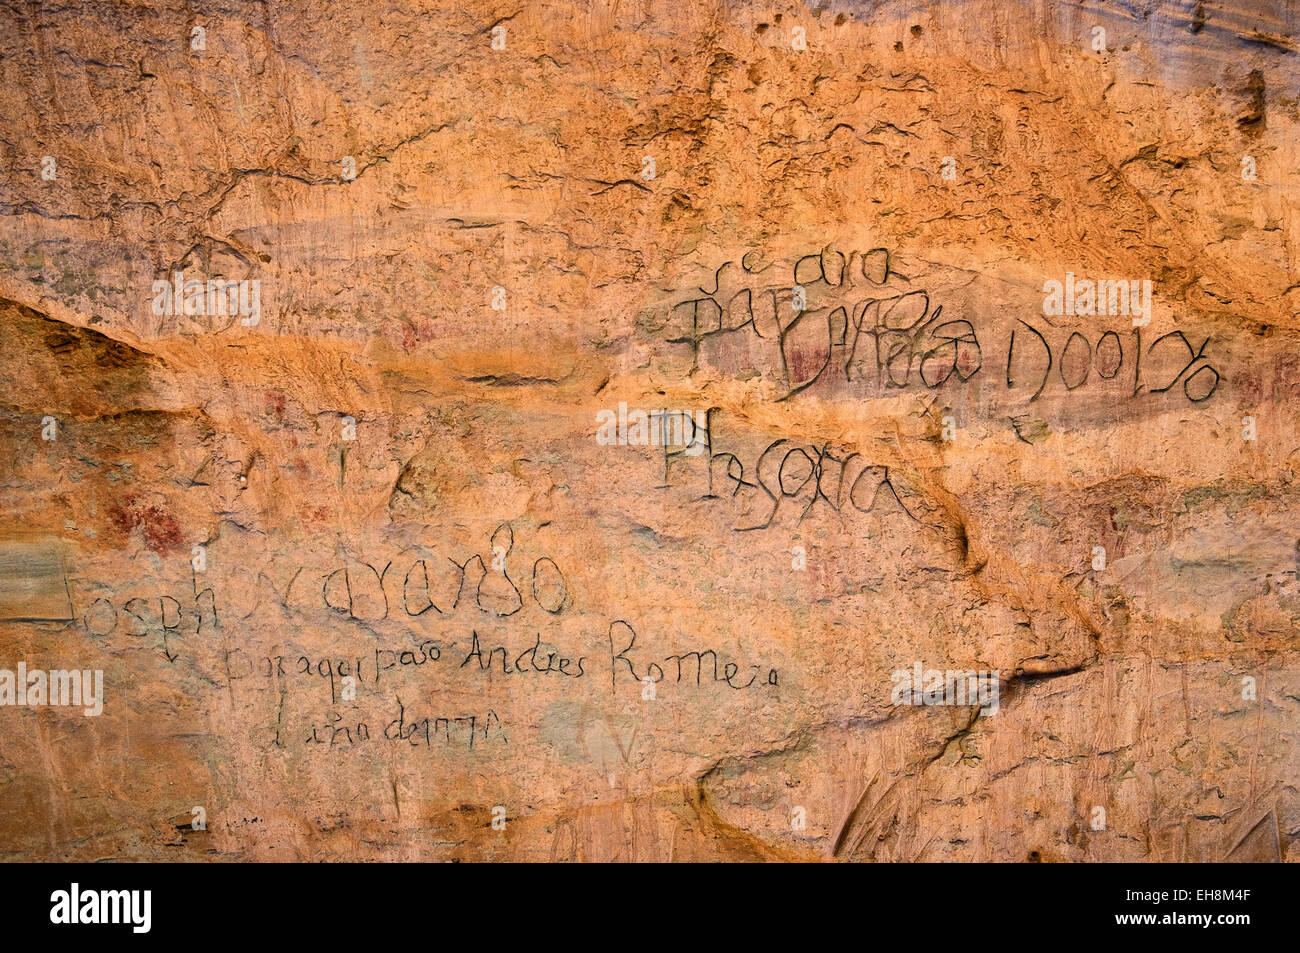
pixel 382 544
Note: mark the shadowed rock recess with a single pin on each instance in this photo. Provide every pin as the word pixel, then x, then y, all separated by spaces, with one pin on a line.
pixel 650 430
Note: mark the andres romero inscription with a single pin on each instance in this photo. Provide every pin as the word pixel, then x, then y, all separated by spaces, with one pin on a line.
pixel 627 663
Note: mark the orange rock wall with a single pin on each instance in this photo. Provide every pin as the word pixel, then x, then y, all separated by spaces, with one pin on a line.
pixel 380 550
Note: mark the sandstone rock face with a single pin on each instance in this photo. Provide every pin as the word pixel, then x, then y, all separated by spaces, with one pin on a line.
pixel 575 431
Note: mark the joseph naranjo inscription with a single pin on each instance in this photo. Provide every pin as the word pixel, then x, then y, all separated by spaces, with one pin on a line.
pixel 409 642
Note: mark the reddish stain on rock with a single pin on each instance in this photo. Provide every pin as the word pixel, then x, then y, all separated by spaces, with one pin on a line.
pixel 159 528
pixel 274 402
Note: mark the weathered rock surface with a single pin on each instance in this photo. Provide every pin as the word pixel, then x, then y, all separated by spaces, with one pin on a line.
pixel 362 572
